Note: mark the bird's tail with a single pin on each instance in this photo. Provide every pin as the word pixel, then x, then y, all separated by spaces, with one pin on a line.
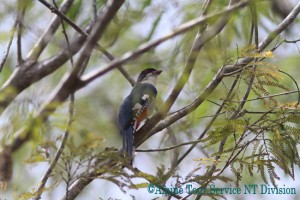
pixel 127 137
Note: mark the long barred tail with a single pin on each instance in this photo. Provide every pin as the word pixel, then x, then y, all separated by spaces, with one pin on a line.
pixel 127 137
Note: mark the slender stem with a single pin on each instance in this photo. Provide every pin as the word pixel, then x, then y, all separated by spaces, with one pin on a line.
pixel 12 33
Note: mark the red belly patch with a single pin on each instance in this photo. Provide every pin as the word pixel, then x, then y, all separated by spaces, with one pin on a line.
pixel 140 118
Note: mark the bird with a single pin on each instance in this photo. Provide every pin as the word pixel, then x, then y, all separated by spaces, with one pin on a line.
pixel 136 107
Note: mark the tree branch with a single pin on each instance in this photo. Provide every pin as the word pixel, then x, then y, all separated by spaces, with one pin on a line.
pixel 12 33
pixel 200 40
pixel 68 126
pixel 217 79
pixel 85 34
pixel 59 151
pixel 169 148
pixel 81 183
pixel 88 78
pixel 19 34
pixel 273 95
pixel 44 40
pixel 30 72
pixel 68 84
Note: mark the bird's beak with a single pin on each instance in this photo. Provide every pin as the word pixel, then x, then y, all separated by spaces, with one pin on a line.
pixel 157 72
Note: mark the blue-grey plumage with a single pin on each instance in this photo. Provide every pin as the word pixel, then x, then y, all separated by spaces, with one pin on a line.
pixel 125 124
pixel 134 108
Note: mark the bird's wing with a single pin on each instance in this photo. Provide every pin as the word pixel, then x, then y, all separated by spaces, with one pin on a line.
pixel 143 98
pixel 132 111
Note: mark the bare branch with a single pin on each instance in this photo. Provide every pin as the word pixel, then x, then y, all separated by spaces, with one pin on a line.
pixel 68 84
pixel 31 71
pixel 149 45
pixel 201 38
pixel 85 34
pixel 273 95
pixel 210 172
pixel 281 27
pixel 212 120
pixel 12 33
pixel 217 79
pixel 59 151
pixel 44 40
pixel 20 31
pixel 169 148
pixel 296 84
pixel 67 130
pixel 23 77
pixel 81 183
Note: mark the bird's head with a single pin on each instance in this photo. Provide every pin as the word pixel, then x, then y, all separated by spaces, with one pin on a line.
pixel 148 76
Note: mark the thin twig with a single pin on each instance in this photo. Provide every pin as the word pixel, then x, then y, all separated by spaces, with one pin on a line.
pixel 63 17
pixel 213 84
pixel 19 38
pixel 203 38
pixel 38 70
pixel 67 86
pixel 88 78
pixel 47 36
pixel 59 151
pixel 270 96
pixel 200 39
pixel 66 36
pixel 68 126
pixel 81 183
pixel 212 120
pixel 235 115
pixel 12 33
pixel 298 90
pixel 271 112
pixel 280 28
pixel 169 148
pixel 85 34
